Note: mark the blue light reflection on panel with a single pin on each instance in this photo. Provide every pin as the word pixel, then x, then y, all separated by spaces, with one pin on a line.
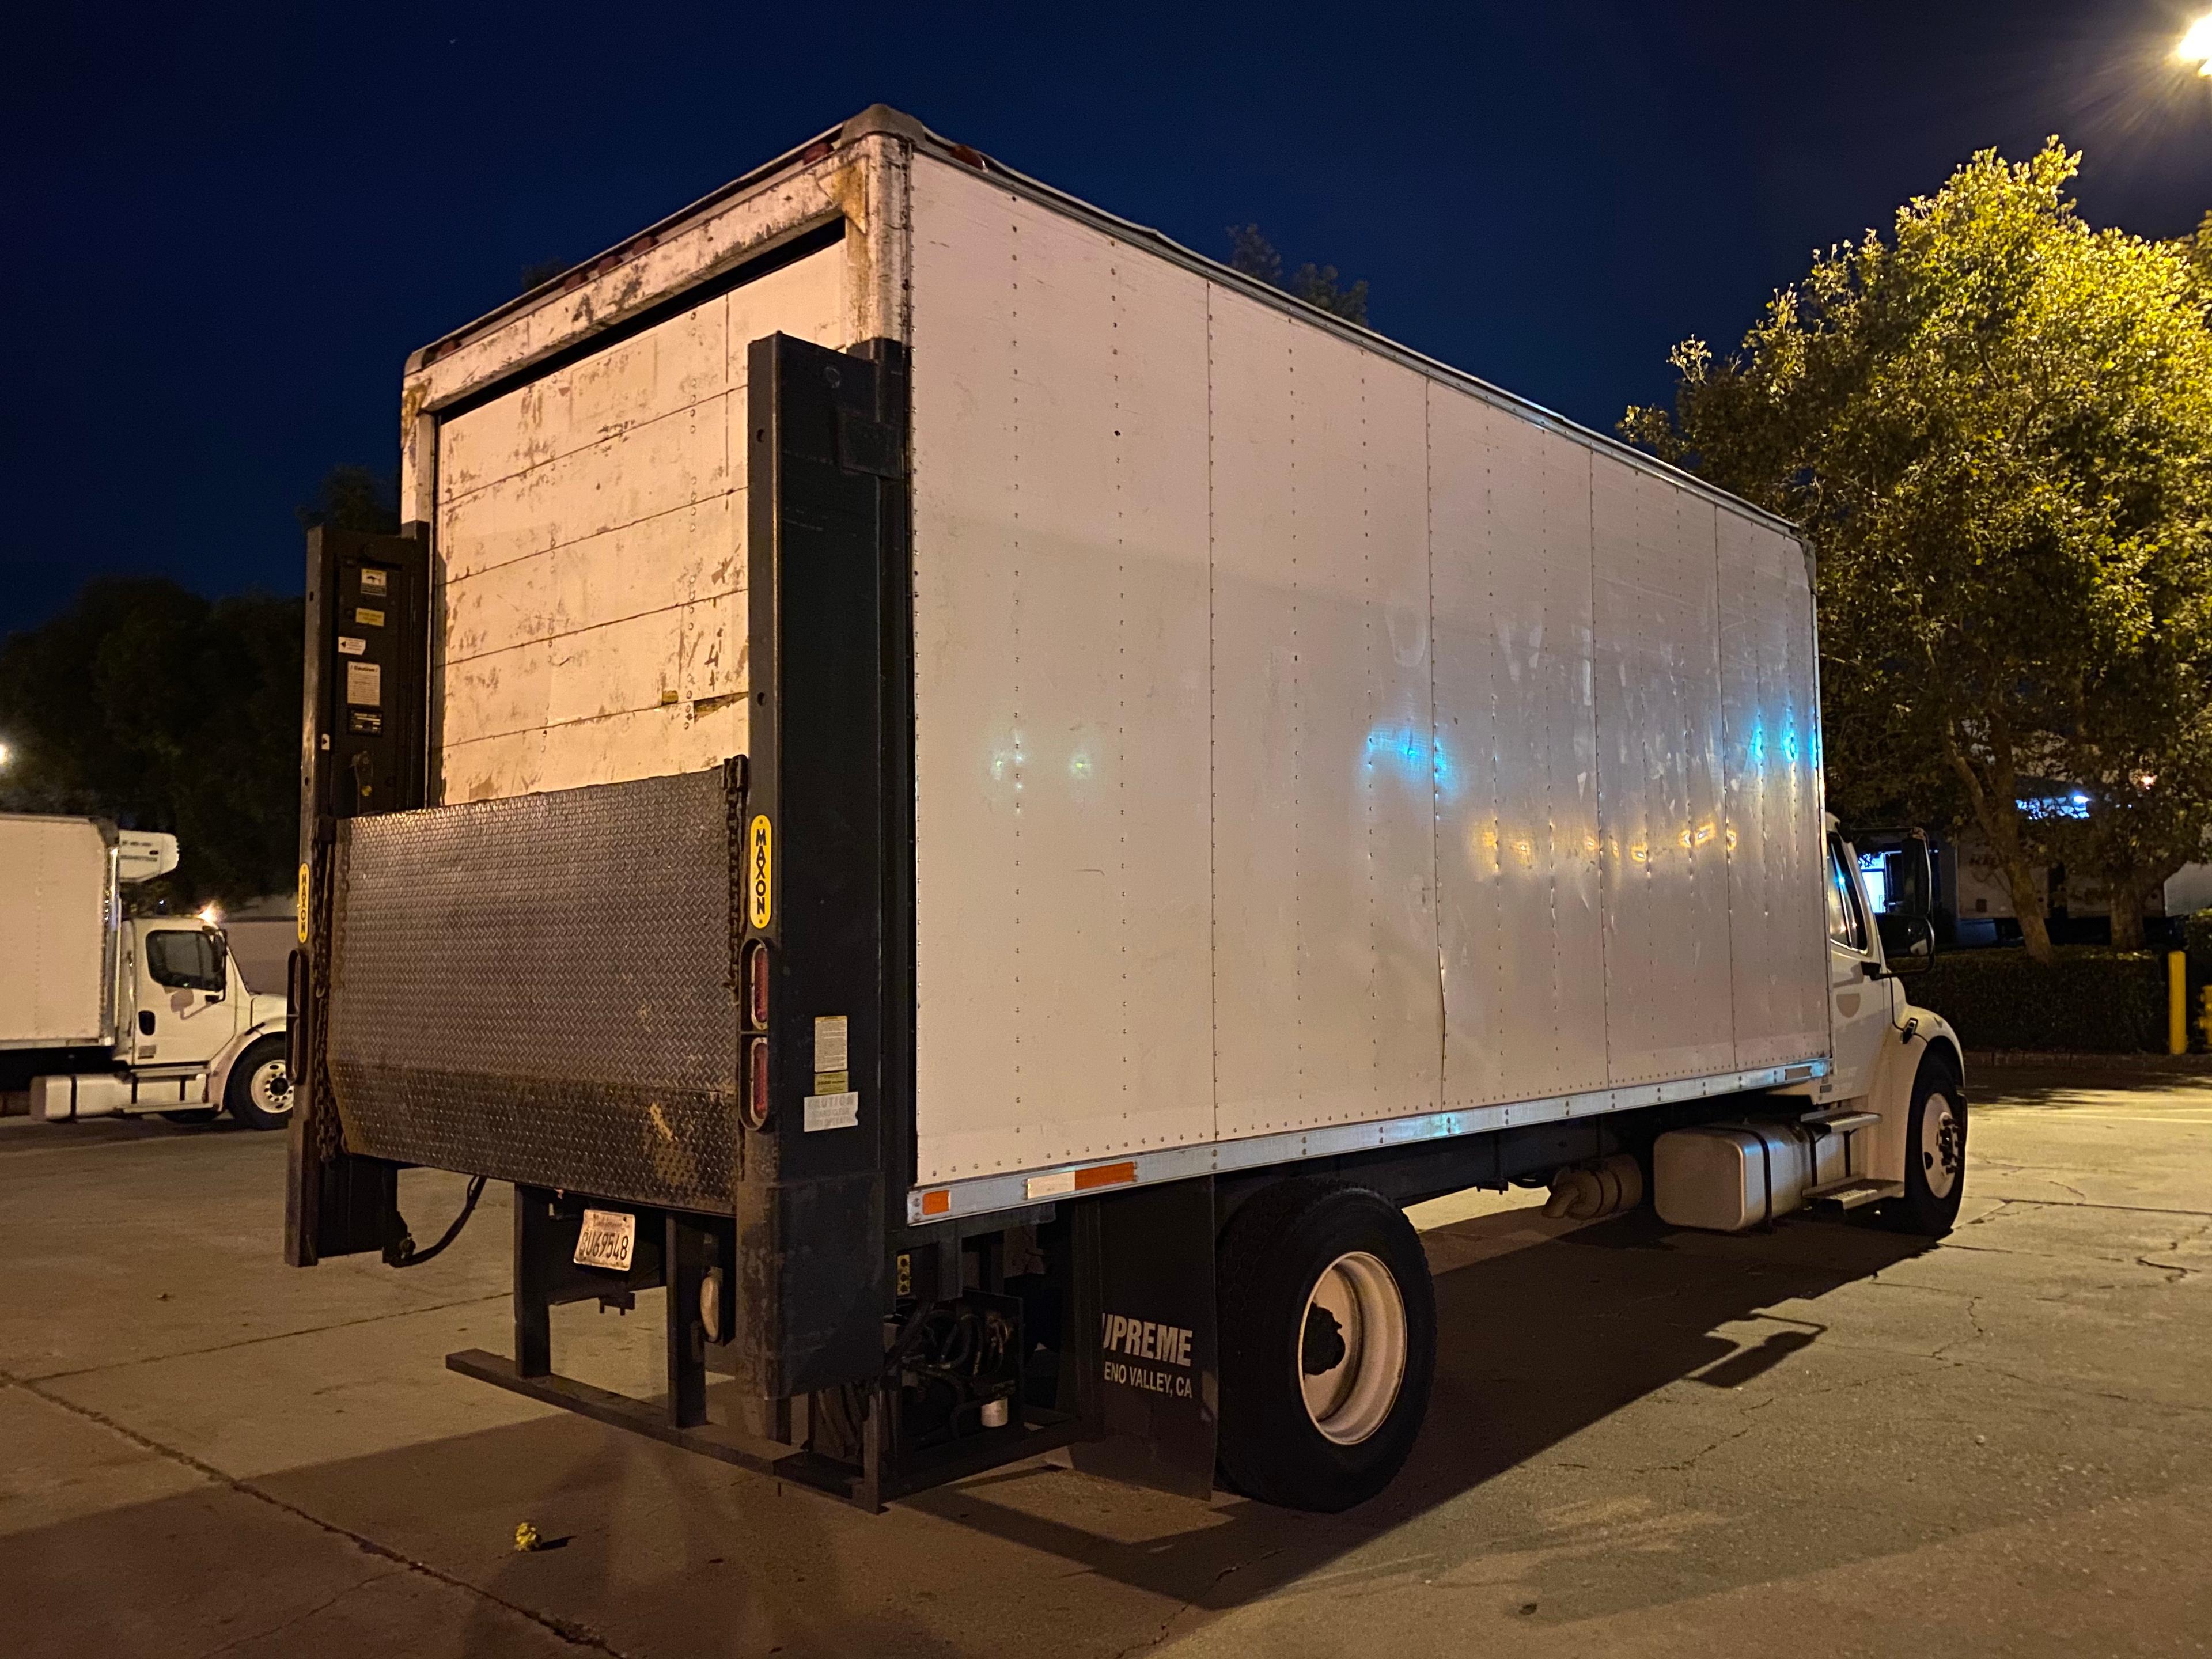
pixel 1418 758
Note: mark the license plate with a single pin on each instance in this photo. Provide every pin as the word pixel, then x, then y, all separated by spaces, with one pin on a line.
pixel 607 1240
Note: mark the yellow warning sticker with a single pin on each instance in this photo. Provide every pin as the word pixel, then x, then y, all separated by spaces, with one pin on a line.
pixel 303 904
pixel 759 870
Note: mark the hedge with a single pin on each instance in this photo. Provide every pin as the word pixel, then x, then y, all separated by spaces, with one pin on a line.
pixel 2092 999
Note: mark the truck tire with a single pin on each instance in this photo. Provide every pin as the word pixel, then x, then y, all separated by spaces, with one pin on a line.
pixel 1328 1342
pixel 259 1092
pixel 1934 1152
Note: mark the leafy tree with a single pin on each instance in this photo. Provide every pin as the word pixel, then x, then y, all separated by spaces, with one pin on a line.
pixel 163 710
pixel 1317 285
pixel 148 704
pixel 354 498
pixel 1996 426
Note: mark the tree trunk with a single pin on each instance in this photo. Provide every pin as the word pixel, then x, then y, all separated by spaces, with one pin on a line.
pixel 1996 812
pixel 2127 915
pixel 2028 905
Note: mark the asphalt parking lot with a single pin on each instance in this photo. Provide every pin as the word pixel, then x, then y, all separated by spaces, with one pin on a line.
pixel 1823 1440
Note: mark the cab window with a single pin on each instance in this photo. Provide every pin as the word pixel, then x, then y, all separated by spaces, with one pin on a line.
pixel 1846 925
pixel 184 959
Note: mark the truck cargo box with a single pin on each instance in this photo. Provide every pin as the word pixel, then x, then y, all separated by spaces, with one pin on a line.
pixel 932 701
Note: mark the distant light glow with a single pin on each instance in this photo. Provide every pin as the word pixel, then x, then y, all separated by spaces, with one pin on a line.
pixel 211 914
pixel 6 755
pixel 2196 45
pixel 2055 806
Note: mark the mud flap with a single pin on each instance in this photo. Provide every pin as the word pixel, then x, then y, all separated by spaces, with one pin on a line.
pixel 1149 1349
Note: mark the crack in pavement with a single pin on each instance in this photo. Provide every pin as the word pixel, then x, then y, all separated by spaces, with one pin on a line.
pixel 575 1634
pixel 302 1617
pixel 28 1378
pixel 1191 1604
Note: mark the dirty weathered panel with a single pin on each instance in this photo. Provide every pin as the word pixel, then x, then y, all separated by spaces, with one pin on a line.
pixel 591 532
pixel 1061 692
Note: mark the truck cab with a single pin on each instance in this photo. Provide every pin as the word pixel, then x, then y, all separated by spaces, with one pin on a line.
pixel 1900 1065
pixel 190 1038
pixel 187 1009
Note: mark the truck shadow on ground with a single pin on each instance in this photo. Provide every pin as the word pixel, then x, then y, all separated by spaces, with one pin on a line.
pixel 1540 1338
pixel 1535 1345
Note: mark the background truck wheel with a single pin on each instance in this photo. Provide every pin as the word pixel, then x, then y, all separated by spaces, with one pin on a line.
pixel 1328 1342
pixel 1934 1153
pixel 259 1093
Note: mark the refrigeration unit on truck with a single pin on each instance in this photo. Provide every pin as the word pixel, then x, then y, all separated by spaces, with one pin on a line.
pixel 982 800
pixel 103 1014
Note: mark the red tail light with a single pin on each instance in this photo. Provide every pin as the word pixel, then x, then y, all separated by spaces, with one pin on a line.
pixel 757 984
pixel 756 1083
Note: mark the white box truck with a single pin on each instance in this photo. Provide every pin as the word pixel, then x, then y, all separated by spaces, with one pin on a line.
pixel 103 1014
pixel 982 800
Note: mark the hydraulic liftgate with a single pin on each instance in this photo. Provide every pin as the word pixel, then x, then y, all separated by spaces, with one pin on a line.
pixel 690 998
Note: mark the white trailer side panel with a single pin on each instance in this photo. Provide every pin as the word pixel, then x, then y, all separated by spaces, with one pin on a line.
pixel 1770 682
pixel 1490 714
pixel 590 531
pixel 1328 1008
pixel 1060 643
pixel 53 925
pixel 1667 974
pixel 1516 797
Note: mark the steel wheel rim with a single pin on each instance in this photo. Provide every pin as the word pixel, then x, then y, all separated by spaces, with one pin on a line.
pixel 1350 1400
pixel 1943 1144
pixel 269 1089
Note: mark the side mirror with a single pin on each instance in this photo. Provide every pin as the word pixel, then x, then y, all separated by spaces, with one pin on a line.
pixel 1908 942
pixel 1907 923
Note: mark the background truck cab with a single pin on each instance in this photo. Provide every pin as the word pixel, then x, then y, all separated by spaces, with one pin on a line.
pixel 102 1013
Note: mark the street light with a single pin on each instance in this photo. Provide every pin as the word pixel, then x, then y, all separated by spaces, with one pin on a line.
pixel 6 756
pixel 2196 45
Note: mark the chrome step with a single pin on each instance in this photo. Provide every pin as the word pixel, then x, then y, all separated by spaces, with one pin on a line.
pixel 1840 1119
pixel 1852 1193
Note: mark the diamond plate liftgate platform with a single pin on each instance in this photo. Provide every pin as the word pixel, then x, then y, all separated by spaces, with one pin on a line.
pixel 540 989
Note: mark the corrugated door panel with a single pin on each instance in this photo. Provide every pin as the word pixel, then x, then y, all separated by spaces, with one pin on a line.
pixel 1667 964
pixel 591 530
pixel 1061 604
pixel 1516 827
pixel 1773 835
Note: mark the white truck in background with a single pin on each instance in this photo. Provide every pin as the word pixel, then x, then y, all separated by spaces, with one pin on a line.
pixel 102 1013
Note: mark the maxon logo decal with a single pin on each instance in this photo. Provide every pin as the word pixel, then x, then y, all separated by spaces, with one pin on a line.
pixel 758 872
pixel 1139 1341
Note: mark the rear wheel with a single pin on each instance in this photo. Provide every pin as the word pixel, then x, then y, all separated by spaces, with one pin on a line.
pixel 1328 1344
pixel 259 1093
pixel 1934 1153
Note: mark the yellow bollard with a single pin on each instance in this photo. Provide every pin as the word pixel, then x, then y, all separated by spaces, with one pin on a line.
pixel 2204 1024
pixel 2177 1003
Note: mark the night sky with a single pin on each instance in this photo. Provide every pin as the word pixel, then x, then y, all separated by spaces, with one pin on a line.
pixel 227 229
